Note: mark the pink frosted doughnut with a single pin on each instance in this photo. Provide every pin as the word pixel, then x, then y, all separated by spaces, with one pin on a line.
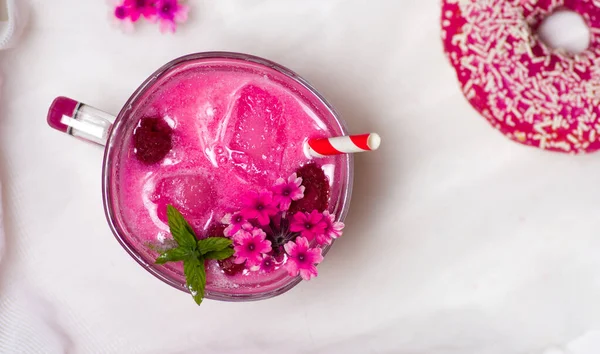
pixel 533 94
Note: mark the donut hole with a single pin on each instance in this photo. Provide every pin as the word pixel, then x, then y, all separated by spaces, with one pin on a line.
pixel 565 30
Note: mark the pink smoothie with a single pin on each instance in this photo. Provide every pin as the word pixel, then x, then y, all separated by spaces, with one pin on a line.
pixel 237 126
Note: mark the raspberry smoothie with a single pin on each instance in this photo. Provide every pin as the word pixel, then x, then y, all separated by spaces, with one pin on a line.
pixel 199 138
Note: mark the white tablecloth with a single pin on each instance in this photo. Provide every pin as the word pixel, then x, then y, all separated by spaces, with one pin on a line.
pixel 458 240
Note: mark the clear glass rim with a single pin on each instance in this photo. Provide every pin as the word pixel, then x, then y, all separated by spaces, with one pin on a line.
pixel 110 149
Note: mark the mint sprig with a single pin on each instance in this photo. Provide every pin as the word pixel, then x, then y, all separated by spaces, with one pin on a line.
pixel 174 255
pixel 180 229
pixel 213 244
pixel 195 277
pixel 193 252
pixel 218 255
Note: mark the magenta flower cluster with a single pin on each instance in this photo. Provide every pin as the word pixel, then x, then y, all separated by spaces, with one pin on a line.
pixel 167 13
pixel 266 236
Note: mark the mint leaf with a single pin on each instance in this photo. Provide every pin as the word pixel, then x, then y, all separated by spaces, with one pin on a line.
pixel 220 255
pixel 191 251
pixel 215 248
pixel 174 255
pixel 195 276
pixel 180 229
pixel 212 244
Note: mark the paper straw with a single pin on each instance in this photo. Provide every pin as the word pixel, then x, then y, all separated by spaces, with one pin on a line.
pixel 343 145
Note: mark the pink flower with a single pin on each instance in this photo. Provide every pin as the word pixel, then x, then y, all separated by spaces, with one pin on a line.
pixel 236 223
pixel 138 8
pixel 302 259
pixel 267 264
pixel 309 225
pixel 170 12
pixel 333 229
pixel 121 15
pixel 259 206
pixel 286 191
pixel 250 247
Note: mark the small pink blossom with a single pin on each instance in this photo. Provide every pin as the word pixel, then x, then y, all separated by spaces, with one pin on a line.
pixel 259 206
pixel 309 225
pixel 302 259
pixel 284 192
pixel 171 12
pixel 267 265
pixel 250 247
pixel 138 8
pixel 333 229
pixel 121 15
pixel 235 222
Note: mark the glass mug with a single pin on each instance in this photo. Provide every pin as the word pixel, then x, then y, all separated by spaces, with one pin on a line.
pixel 93 125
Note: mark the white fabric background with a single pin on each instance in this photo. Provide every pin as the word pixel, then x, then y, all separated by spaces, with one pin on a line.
pixel 13 16
pixel 458 241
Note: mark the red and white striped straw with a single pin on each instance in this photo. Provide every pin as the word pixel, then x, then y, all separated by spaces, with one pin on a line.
pixel 343 144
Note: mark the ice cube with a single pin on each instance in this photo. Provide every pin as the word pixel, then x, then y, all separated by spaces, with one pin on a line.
pixel 192 194
pixel 257 127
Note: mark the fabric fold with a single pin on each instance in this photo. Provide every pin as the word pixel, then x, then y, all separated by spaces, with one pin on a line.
pixel 12 20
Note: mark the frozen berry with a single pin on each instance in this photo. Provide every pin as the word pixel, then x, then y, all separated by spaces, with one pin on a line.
pixel 152 140
pixel 230 268
pixel 216 230
pixel 316 194
pixel 193 195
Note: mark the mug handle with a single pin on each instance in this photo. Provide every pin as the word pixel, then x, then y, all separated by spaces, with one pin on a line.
pixel 80 120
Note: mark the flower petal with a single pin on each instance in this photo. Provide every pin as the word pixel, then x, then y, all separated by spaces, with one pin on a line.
pixel 315 255
pixel 308 273
pixel 298 193
pixel 249 213
pixel 308 234
pixel 280 182
pixel 264 247
pixel 182 14
pixel 302 243
pixel 242 237
pixel 290 248
pixel 164 26
pixel 226 219
pixel 323 239
pixel 230 230
pixel 263 219
pixel 254 260
pixel 292 267
pixel 285 204
pixel 315 217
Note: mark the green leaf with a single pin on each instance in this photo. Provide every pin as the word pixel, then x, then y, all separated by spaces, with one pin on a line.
pixel 174 255
pixel 212 244
pixel 195 276
pixel 180 229
pixel 219 255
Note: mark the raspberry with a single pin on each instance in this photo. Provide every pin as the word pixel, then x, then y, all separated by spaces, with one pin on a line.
pixel 152 140
pixel 316 194
pixel 216 230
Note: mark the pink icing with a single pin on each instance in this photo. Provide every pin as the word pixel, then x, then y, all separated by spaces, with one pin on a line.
pixel 533 94
pixel 236 127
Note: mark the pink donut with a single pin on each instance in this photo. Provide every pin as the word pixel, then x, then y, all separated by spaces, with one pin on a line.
pixel 533 94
